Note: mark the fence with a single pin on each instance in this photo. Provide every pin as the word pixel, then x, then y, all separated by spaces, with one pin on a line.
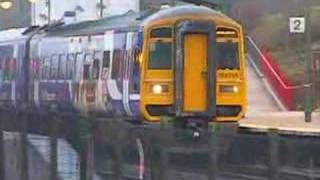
pixel 55 146
pixel 279 82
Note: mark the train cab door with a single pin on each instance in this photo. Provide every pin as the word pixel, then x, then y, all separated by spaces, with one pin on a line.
pixel 195 69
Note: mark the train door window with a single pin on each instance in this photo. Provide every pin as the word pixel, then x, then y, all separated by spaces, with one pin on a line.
pixel 62 66
pixel 86 66
pixel 228 55
pixel 106 59
pixel 54 67
pixel 70 65
pixel 34 67
pixel 106 64
pixel 135 77
pixel 42 68
pixel 96 69
pixel 6 69
pixel 116 64
pixel 79 60
pixel 96 64
pixel 118 55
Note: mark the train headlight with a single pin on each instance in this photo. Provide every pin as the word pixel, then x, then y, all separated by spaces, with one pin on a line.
pixel 229 89
pixel 159 88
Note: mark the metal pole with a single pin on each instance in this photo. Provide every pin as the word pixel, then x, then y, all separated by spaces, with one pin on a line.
pixel 273 155
pixel 164 162
pixel 117 149
pixel 101 8
pixel 49 10
pixel 2 156
pixel 308 86
pixel 213 154
pixel 53 146
pixel 24 144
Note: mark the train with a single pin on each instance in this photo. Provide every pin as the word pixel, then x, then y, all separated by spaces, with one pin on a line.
pixel 184 62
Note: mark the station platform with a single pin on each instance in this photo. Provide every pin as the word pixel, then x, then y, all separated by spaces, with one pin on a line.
pixel 266 113
pixel 291 123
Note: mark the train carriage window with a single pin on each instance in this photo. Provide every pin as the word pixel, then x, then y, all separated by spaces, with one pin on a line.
pixel 6 70
pixel 118 55
pixel 54 67
pixel 70 65
pixel 96 64
pixel 160 57
pixel 106 59
pixel 96 69
pixel 116 64
pixel 79 60
pixel 228 55
pixel 34 67
pixel 43 68
pixel 105 64
pixel 86 66
pixel 62 67
pixel 6 53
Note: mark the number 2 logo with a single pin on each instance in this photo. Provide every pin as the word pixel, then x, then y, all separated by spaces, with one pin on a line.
pixel 297 24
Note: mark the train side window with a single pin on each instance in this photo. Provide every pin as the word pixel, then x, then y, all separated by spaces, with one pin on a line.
pixel 86 71
pixel 105 64
pixel 118 56
pixel 70 65
pixel 34 67
pixel 96 69
pixel 135 77
pixel 116 64
pixel 6 70
pixel 54 67
pixel 86 66
pixel 62 66
pixel 106 59
pixel 96 66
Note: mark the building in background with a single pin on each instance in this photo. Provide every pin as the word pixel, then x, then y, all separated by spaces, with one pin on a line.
pixel 44 11
pixel 24 13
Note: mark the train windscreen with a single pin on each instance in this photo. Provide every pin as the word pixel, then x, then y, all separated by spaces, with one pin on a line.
pixel 160 55
pixel 228 55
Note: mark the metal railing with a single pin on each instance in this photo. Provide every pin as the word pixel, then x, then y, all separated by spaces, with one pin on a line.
pixel 268 69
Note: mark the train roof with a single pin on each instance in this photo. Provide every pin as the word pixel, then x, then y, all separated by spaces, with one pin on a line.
pixel 131 21
pixel 185 10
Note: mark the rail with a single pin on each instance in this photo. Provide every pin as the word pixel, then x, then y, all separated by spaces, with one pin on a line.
pixel 272 73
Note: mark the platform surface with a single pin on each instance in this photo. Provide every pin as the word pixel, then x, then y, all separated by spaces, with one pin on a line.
pixel 264 114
